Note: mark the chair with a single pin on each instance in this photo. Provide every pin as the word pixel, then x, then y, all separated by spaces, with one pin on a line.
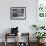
pixel 26 41
pixel 14 32
pixel 7 35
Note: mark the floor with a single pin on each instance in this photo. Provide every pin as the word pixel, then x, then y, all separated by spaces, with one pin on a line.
pixel 13 44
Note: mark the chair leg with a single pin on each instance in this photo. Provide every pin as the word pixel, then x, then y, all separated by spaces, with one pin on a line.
pixel 5 43
pixel 5 39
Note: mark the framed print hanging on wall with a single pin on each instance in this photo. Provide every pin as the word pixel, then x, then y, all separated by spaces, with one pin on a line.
pixel 41 12
pixel 18 13
pixel 41 8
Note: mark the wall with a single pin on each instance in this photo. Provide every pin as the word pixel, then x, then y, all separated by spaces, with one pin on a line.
pixel 24 25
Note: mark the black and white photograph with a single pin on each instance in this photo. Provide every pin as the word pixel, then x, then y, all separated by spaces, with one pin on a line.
pixel 17 13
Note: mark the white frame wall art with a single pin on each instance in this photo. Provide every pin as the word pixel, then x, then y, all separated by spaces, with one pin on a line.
pixel 41 8
pixel 41 12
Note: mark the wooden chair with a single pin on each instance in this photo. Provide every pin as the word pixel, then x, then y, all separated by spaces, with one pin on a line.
pixel 8 34
pixel 25 36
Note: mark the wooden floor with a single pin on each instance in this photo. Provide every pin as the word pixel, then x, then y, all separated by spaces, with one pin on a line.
pixel 13 44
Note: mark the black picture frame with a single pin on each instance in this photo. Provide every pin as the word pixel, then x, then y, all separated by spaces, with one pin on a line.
pixel 18 13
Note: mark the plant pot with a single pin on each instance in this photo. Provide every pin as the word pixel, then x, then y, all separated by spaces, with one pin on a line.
pixel 40 40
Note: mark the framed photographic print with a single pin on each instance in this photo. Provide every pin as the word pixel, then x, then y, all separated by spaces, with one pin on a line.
pixel 18 13
pixel 41 8
pixel 41 12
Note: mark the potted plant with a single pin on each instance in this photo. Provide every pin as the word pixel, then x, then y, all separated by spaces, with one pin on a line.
pixel 39 35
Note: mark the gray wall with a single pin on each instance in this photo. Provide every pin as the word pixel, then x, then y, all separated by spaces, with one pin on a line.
pixel 24 25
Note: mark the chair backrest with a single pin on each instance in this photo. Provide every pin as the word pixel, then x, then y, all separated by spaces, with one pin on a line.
pixel 24 37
